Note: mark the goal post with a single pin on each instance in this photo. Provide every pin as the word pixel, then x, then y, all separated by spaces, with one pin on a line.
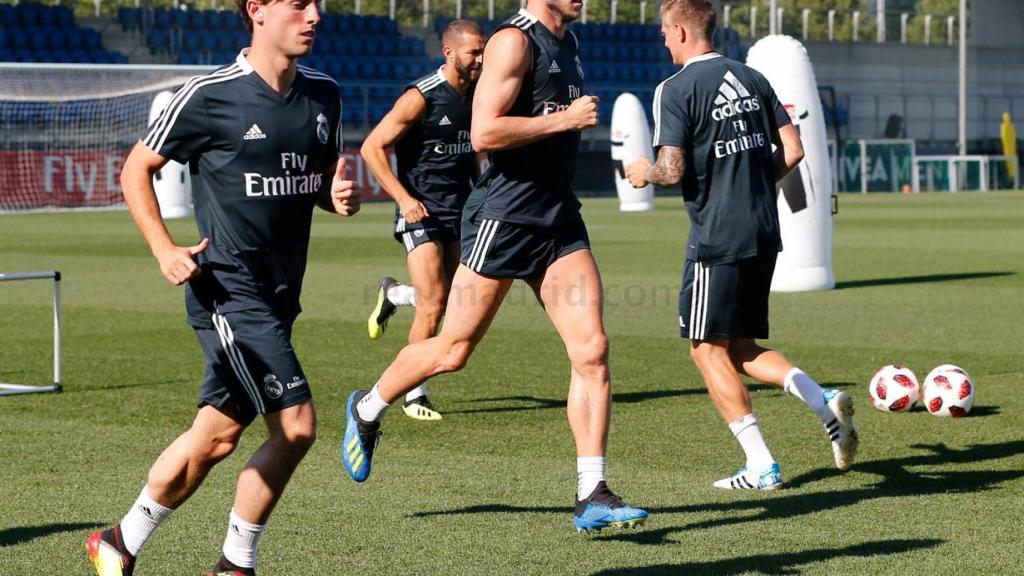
pixel 12 389
pixel 956 173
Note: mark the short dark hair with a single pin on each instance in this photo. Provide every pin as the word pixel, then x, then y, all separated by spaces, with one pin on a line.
pixel 698 15
pixel 456 28
pixel 245 13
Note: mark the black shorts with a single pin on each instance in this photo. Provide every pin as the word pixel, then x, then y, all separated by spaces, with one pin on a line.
pixel 430 229
pixel 507 250
pixel 726 301
pixel 250 362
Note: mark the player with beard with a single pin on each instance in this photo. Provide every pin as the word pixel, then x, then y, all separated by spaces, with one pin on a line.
pixel 522 221
pixel 261 137
pixel 429 128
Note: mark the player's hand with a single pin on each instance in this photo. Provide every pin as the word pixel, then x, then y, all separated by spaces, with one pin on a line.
pixel 412 210
pixel 637 172
pixel 582 113
pixel 345 197
pixel 177 263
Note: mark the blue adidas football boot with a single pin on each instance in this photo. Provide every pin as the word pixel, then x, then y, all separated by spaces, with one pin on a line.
pixel 359 441
pixel 603 509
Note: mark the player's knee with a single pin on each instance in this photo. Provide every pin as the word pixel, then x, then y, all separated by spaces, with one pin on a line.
pixel 591 355
pixel 218 447
pixel 705 354
pixel 456 356
pixel 300 435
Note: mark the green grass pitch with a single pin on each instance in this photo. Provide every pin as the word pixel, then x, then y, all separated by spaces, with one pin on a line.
pixel 923 280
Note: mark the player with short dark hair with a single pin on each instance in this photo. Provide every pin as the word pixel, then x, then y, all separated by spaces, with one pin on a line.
pixel 522 221
pixel 429 128
pixel 716 122
pixel 261 137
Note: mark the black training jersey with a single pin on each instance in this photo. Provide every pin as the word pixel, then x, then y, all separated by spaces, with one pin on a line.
pixel 532 184
pixel 257 160
pixel 436 163
pixel 724 116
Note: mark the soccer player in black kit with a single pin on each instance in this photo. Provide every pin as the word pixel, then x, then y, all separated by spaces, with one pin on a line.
pixel 261 137
pixel 522 221
pixel 716 122
pixel 429 128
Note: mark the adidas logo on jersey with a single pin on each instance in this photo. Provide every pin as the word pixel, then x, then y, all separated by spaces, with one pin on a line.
pixel 445 122
pixel 554 69
pixel 254 133
pixel 733 98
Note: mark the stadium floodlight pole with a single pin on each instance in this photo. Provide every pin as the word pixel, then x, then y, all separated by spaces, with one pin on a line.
pixel 614 11
pixel 806 19
pixel 643 13
pixel 778 19
pixel 880 20
pixel 426 13
pixel 963 77
pixel 927 29
pixel 753 21
pixel 831 25
pixel 903 27
pixel 950 22
pixel 490 9
pixel 392 9
pixel 856 25
pixel 773 7
pixel 726 12
pixel 458 9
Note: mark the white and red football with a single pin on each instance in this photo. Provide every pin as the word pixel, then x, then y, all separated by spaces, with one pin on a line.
pixel 894 388
pixel 948 391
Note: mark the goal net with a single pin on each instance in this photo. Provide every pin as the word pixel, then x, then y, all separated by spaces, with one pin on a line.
pixel 65 130
pixel 960 173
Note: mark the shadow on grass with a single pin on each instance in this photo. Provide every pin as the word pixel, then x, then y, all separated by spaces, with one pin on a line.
pixel 976 412
pixel 919 279
pixel 108 387
pixel 895 481
pixel 22 534
pixel 537 403
pixel 776 563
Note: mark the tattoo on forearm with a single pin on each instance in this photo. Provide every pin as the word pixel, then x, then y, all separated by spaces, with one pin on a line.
pixel 668 170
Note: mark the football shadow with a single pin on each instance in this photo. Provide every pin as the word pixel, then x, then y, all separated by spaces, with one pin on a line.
pixel 976 412
pixel 919 279
pixel 23 534
pixel 788 563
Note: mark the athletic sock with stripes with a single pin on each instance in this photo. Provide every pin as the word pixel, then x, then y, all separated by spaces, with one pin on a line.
pixel 589 473
pixel 371 407
pixel 242 542
pixel 748 433
pixel 402 295
pixel 142 519
pixel 808 391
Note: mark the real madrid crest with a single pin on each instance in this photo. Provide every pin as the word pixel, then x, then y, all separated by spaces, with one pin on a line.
pixel 272 385
pixel 321 128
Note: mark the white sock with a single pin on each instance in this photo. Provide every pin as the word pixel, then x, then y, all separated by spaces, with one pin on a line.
pixel 589 471
pixel 372 406
pixel 402 295
pixel 417 392
pixel 806 389
pixel 142 519
pixel 748 433
pixel 242 541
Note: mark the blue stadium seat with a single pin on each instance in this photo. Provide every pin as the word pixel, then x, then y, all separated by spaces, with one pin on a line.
pixel 226 42
pixel 181 19
pixel 7 17
pixel 191 42
pixel 19 40
pixel 56 41
pixel 27 15
pixel 46 16
pixel 4 42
